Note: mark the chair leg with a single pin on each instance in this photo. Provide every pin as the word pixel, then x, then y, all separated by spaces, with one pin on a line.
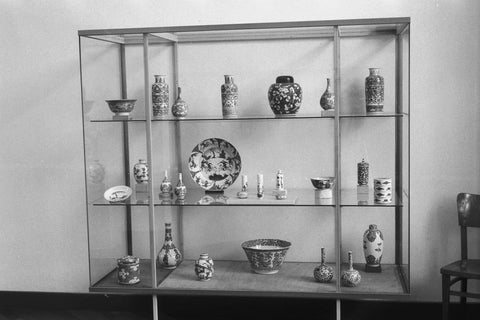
pixel 445 295
pixel 463 300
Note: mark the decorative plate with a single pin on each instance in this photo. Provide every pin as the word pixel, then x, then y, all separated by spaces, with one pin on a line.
pixel 214 164
pixel 118 193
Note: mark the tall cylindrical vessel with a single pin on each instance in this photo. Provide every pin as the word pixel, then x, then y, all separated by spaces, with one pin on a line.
pixel 373 248
pixel 169 257
pixel 160 96
pixel 374 91
pixel 229 92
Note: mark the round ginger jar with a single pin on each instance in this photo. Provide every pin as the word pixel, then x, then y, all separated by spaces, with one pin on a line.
pixel 285 96
pixel 373 248
pixel 204 267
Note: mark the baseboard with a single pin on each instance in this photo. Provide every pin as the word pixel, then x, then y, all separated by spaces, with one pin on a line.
pixel 227 307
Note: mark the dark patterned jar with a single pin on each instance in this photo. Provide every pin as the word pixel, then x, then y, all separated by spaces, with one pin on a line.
pixel 285 96
pixel 128 270
pixel 229 91
pixel 374 91
pixel 160 96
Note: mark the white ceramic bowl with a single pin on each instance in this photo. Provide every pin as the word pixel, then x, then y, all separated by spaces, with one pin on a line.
pixel 266 255
pixel 118 193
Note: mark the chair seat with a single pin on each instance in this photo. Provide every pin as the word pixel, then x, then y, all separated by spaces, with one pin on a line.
pixel 469 269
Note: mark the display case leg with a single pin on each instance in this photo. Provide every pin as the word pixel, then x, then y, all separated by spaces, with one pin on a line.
pixel 338 311
pixel 155 307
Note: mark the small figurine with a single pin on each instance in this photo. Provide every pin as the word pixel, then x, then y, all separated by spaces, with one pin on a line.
pixel 259 186
pixel 280 191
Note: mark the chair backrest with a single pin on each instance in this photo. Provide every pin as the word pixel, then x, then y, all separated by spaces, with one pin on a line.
pixel 468 207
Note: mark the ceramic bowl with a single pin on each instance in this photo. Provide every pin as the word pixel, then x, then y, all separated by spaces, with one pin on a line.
pixel 118 193
pixel 323 182
pixel 121 107
pixel 266 255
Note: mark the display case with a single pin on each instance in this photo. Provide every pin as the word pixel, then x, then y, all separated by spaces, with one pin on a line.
pixel 313 141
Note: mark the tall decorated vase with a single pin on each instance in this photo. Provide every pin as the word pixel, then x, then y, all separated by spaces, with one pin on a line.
pixel 160 96
pixel 323 272
pixel 229 92
pixel 169 257
pixel 327 100
pixel 373 248
pixel 180 107
pixel 374 91
pixel 350 277
pixel 285 96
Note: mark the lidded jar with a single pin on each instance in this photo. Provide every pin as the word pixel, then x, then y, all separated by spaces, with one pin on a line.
pixel 285 96
pixel 204 267
pixel 374 91
pixel 373 248
pixel 160 96
pixel 140 171
pixel 128 270
pixel 229 91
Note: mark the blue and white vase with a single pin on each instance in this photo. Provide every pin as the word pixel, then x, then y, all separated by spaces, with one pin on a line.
pixel 350 277
pixel 374 91
pixel 160 96
pixel 140 171
pixel 229 91
pixel 169 257
pixel 373 248
pixel 323 272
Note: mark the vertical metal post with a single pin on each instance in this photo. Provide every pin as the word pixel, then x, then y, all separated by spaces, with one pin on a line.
pixel 151 202
pixel 399 150
pixel 126 148
pixel 338 196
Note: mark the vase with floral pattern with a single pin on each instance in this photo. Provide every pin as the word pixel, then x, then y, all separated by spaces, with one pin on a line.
pixel 169 257
pixel 229 91
pixel 180 189
pixel 323 272
pixel 160 96
pixel 350 277
pixel 327 100
pixel 374 91
pixel 180 107
pixel 140 171
pixel 373 248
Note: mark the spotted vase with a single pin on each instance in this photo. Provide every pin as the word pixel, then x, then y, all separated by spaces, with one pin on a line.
pixel 350 277
pixel 323 272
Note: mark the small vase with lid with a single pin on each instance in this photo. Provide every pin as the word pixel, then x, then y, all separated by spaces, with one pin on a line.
pixel 323 272
pixel 327 100
pixel 180 188
pixel 374 91
pixel 229 92
pixel 350 277
pixel 373 248
pixel 204 267
pixel 160 96
pixel 180 107
pixel 169 257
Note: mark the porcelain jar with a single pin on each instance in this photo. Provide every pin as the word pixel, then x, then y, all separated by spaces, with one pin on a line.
pixel 128 270
pixel 374 91
pixel 140 171
pixel 323 272
pixel 204 267
pixel 169 257
pixel 373 248
pixel 229 91
pixel 160 96
pixel 285 96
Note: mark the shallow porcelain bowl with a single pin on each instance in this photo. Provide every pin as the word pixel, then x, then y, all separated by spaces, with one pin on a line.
pixel 266 255
pixel 121 107
pixel 118 193
pixel 323 182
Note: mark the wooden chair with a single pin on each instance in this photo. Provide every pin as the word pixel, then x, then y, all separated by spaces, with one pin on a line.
pixel 468 207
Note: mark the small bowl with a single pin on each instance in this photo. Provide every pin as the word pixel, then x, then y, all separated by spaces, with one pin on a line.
pixel 323 182
pixel 118 193
pixel 266 255
pixel 121 107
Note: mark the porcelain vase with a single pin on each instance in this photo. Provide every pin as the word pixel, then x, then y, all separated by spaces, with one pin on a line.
pixel 285 96
pixel 204 267
pixel 373 248
pixel 323 272
pixel 180 107
pixel 350 277
pixel 140 171
pixel 374 91
pixel 160 96
pixel 169 257
pixel 180 189
pixel 166 187
pixel 327 100
pixel 229 91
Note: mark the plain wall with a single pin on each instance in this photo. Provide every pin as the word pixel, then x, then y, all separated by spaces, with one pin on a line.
pixel 43 229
